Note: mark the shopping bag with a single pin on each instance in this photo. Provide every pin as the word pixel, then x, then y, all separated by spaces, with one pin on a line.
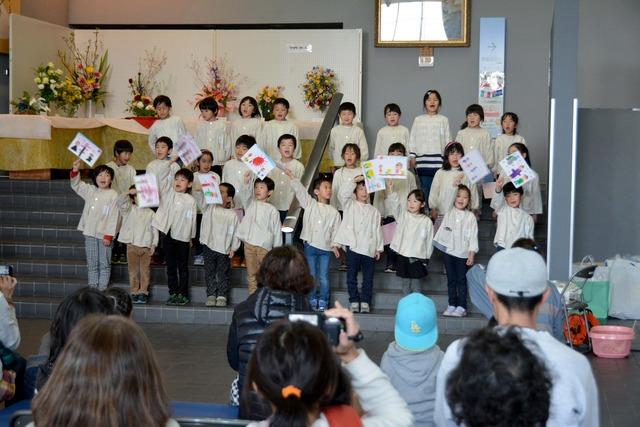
pixel 624 280
pixel 596 294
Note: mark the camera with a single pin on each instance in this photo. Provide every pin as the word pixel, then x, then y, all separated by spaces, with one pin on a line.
pixel 332 326
pixel 6 270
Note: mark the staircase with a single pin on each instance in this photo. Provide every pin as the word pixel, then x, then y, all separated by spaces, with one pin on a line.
pixel 38 237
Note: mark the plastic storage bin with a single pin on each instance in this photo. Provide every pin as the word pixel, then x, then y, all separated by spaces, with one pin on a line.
pixel 612 342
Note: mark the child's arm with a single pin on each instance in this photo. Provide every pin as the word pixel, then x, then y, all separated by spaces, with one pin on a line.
pixel 235 242
pixel 154 242
pixel 194 224
pixel 334 231
pixel 180 128
pixel 304 199
pixel 124 201
pixel 379 238
pixel 298 151
pixel 377 149
pixel 429 238
pixel 346 192
pixel 447 134
pixel 111 226
pixel 497 201
pixel 434 194
pixel 82 189
pixel 473 241
pixel 200 201
pixel 276 228
pixel 362 143
pixel 246 196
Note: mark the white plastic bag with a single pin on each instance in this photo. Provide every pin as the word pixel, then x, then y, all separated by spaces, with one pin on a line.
pixel 624 279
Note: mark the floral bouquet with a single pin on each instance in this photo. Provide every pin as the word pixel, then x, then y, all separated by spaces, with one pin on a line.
pixel 87 69
pixel 48 81
pixel 27 104
pixel 144 85
pixel 266 96
pixel 69 97
pixel 217 81
pixel 319 87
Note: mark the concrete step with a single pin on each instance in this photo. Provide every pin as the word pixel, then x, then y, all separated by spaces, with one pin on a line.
pixel 41 201
pixel 35 187
pixel 52 216
pixel 194 313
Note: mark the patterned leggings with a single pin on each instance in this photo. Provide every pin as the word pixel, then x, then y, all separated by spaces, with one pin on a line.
pixel 98 262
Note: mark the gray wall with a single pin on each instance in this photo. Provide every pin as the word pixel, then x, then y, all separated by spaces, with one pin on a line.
pixel 607 202
pixel 389 74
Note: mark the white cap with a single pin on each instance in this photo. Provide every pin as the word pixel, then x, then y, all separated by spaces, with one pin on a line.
pixel 517 272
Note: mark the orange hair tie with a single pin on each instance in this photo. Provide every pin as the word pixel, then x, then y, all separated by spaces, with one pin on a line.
pixel 291 390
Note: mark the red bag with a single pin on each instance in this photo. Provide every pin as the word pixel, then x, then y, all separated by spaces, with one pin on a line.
pixel 342 416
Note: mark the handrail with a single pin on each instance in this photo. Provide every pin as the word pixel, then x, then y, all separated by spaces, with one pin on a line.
pixel 313 165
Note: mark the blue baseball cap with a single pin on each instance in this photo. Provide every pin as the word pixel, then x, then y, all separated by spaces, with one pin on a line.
pixel 416 323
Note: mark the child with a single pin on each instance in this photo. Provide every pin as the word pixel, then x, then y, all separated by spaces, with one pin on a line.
pixel 509 136
pixel 346 174
pixel 346 133
pixel 457 238
pixel 98 222
pixel 260 229
pixel 205 161
pixel 429 135
pixel 123 178
pixel 361 233
pixel 472 136
pixel 212 134
pixel 163 167
pixel 283 194
pixel 219 240
pixel 250 121
pixel 412 239
pixel 141 240
pixel 531 201
pixel 402 187
pixel 176 220
pixel 412 361
pixel 273 129
pixel 235 171
pixel 166 125
pixel 319 227
pixel 122 302
pixel 393 132
pixel 513 222
pixel 446 182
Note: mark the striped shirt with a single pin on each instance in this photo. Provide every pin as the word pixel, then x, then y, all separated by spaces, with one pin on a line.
pixel 429 135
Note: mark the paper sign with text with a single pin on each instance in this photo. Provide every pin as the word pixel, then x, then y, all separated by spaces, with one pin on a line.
pixel 85 149
pixel 474 166
pixel 517 169
pixel 147 188
pixel 258 161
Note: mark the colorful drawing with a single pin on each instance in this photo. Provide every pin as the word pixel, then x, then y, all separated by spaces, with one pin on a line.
pixel 474 166
pixel 258 161
pixel 210 189
pixel 147 188
pixel 187 148
pixel 392 167
pixel 372 181
pixel 516 167
pixel 85 149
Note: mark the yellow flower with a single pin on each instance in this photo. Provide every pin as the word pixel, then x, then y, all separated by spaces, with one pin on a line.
pixel 90 69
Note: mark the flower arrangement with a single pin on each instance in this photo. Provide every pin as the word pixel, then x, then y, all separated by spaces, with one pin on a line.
pixel 47 80
pixel 319 87
pixel 69 97
pixel 87 69
pixel 144 84
pixel 218 81
pixel 266 97
pixel 26 104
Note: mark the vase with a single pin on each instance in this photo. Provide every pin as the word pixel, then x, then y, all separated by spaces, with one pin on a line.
pixel 89 110
pixel 316 115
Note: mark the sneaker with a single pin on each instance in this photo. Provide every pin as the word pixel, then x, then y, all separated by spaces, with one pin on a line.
pixel 322 305
pixel 142 299
pixel 182 300
pixel 123 259
pixel 459 312
pixel 389 269
pixel 211 301
pixel 354 307
pixel 313 303
pixel 449 311
pixel 198 260
pixel 221 302
pixel 364 307
pixel 134 298
pixel 172 299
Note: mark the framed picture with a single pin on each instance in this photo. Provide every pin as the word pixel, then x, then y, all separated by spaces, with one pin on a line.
pixel 415 23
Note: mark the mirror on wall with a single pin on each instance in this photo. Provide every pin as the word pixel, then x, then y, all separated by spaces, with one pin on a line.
pixel 407 23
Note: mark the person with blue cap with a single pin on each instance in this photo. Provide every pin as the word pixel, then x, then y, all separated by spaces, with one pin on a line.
pixel 413 359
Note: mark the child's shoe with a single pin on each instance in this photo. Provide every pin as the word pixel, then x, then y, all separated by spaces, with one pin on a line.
pixel 459 312
pixel 142 299
pixel 364 307
pixel 172 299
pixel 314 304
pixel 221 302
pixel 389 269
pixel 182 300
pixel 354 307
pixel 123 259
pixel 198 260
pixel 211 301
pixel 322 305
pixel 449 311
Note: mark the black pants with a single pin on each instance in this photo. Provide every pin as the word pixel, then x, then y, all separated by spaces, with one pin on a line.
pixel 216 267
pixel 197 246
pixel 177 255
pixel 456 280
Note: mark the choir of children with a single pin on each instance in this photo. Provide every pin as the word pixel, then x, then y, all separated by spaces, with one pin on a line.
pixel 432 209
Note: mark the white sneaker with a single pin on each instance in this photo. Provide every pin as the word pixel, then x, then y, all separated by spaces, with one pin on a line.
pixel 449 311
pixel 211 301
pixel 459 312
pixel 364 307
pixel 354 307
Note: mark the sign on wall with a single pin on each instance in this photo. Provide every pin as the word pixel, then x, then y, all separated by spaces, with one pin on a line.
pixel 491 67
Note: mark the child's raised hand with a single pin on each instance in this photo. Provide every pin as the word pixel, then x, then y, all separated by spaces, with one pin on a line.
pixel 247 176
pixel 499 184
pixel 76 165
pixel 288 173
pixel 458 179
pixel 358 178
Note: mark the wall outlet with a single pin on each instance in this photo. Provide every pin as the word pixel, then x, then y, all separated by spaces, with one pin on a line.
pixel 425 61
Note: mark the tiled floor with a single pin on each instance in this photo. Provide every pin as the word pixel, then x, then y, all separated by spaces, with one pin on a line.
pixel 193 358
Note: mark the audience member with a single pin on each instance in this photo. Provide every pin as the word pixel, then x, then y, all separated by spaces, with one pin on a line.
pixel 517 288
pixel 9 330
pixel 295 368
pixel 412 360
pixel 121 301
pixel 107 375
pixel 283 281
pixel 499 382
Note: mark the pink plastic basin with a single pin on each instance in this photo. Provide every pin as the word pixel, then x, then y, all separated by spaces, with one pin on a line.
pixel 612 342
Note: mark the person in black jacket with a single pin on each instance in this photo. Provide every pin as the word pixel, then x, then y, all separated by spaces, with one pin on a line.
pixel 284 280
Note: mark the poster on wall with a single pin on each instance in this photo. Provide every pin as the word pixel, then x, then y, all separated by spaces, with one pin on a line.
pixel 491 66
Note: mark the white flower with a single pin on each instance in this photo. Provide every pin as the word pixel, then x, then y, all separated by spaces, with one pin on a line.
pixel 59 72
pixel 45 80
pixel 52 81
pixel 41 86
pixel 37 80
pixel 140 104
pixel 50 64
pixel 149 107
